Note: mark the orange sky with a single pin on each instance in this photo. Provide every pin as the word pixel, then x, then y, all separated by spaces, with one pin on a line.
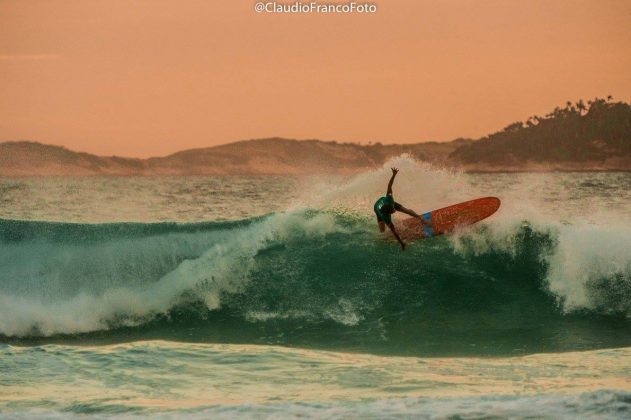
pixel 150 77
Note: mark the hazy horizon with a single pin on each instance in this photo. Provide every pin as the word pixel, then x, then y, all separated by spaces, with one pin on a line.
pixel 151 78
pixel 149 156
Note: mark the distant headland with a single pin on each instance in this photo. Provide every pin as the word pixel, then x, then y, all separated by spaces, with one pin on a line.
pixel 592 135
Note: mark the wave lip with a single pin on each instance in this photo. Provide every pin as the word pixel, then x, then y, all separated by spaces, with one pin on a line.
pixel 54 286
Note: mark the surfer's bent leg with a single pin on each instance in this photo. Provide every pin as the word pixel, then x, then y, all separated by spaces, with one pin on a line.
pixel 396 235
pixel 381 224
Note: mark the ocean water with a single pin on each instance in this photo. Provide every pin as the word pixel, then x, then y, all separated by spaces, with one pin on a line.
pixel 276 297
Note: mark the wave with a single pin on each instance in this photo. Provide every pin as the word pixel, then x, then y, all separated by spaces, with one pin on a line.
pixel 323 279
pixel 319 275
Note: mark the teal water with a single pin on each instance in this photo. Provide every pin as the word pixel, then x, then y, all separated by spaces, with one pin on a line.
pixel 277 297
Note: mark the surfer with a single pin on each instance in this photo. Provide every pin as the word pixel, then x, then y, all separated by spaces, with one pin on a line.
pixel 386 206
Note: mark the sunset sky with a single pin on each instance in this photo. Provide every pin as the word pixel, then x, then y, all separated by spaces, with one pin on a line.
pixel 151 77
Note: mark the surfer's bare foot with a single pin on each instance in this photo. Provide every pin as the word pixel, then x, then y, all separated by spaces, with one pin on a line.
pixel 402 246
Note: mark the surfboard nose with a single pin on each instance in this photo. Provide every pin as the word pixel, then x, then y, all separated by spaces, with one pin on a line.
pixel 490 202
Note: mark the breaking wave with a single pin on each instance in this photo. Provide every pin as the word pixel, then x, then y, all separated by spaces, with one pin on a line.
pixel 324 278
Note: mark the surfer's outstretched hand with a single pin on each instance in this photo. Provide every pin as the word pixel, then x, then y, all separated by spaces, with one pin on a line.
pixel 394 171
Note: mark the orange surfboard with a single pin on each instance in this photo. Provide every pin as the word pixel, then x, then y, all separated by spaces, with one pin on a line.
pixel 449 218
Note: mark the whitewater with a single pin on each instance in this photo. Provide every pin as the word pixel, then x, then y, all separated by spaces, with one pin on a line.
pixel 277 297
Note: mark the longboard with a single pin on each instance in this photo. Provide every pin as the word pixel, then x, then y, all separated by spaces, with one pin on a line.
pixel 449 218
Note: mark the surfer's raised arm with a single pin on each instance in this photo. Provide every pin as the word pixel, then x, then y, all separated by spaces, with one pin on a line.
pixel 395 171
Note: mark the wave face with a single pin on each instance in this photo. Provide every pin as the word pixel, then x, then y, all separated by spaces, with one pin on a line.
pixel 319 279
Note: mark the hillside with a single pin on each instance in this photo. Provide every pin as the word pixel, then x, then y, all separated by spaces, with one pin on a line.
pixel 592 136
pixel 31 158
pixel 263 156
